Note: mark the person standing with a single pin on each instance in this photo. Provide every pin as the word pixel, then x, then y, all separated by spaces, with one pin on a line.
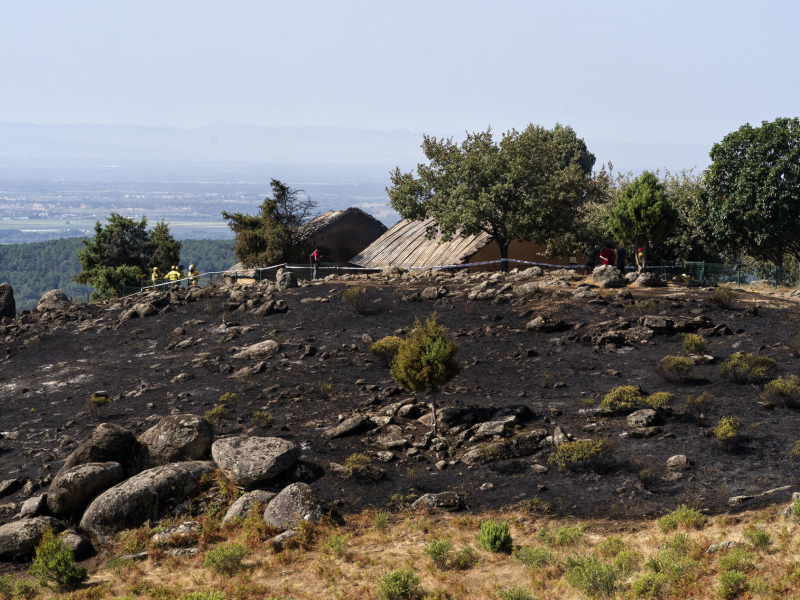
pixel 621 258
pixel 640 256
pixel 607 256
pixel 194 275
pixel 590 258
pixel 315 256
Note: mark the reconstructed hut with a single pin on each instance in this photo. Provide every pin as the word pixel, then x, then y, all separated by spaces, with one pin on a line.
pixel 341 234
pixel 406 246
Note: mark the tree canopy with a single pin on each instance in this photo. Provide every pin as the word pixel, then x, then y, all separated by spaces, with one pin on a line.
pixel 122 251
pixel 527 187
pixel 272 235
pixel 751 200
pixel 642 214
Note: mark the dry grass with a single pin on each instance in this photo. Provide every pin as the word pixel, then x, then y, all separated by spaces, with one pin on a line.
pixel 312 571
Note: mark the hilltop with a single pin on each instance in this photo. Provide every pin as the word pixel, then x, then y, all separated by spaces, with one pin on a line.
pixel 539 352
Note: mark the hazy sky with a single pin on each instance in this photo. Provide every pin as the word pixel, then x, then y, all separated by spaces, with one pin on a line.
pixel 641 70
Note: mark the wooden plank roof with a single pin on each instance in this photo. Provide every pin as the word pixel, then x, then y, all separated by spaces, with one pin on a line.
pixel 405 245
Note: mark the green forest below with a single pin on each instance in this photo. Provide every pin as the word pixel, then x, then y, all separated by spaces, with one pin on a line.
pixel 35 268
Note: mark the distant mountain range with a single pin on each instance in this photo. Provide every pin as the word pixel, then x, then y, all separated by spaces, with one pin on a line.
pixel 365 152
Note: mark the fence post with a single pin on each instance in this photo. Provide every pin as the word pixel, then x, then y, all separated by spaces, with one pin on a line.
pixel 738 275
pixel 776 277
pixel 703 271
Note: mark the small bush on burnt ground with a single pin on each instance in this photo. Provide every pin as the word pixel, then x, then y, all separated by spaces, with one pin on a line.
pixel 357 464
pixel 658 400
pixel 649 470
pixel 721 297
pixel 55 563
pixel 674 369
pixel 642 308
pixel 726 431
pixel 698 406
pixel 622 398
pixel 694 344
pixel 748 368
pixel 217 414
pixel 783 391
pixel 794 453
pixel 356 298
pixel 261 421
pixel 595 455
pixel 385 349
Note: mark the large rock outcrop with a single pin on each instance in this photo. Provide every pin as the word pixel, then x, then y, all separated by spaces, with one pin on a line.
pixel 73 488
pixel 8 306
pixel 293 504
pixel 53 300
pixel 249 460
pixel 18 540
pixel 150 495
pixel 106 443
pixel 608 276
pixel 178 437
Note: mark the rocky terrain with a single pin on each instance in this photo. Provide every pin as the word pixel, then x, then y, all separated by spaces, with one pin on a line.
pixel 122 412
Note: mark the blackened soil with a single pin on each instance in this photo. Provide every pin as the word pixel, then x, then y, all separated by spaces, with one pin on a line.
pixel 52 367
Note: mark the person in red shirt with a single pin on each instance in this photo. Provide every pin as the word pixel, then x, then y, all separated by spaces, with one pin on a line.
pixel 607 256
pixel 315 256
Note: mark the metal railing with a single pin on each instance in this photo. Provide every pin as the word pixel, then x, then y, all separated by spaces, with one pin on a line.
pixel 737 274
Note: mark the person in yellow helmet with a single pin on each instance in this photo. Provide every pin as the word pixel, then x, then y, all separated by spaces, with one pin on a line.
pixel 173 275
pixel 156 275
pixel 194 276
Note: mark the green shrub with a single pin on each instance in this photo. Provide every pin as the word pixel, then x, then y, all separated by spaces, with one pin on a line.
pixel 24 590
pixel 726 431
pixel 55 563
pixel 210 595
pixel 584 455
pixel 623 398
pixel 737 560
pixel 657 400
pixel 642 308
pixel 732 584
pixel 217 414
pixel 6 587
pixel 426 359
pixel 464 558
pixel 439 551
pixel 758 538
pixel 747 368
pixel 337 544
pixel 400 584
pixel 591 575
pixel 565 535
pixel 650 585
pixel 698 407
pixel 324 389
pixel 357 464
pixel 96 405
pixel 494 536
pixel 226 559
pixel 674 369
pixel 515 592
pixel 627 561
pixel 796 507
pixel 794 453
pixel 386 349
pixel 381 520
pixel 261 420
pixel 534 558
pixel 228 398
pixel 783 391
pixel 611 547
pixel 356 298
pixel 684 517
pixel 694 344
pixel 721 297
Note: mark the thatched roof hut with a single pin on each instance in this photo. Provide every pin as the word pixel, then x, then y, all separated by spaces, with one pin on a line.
pixel 407 246
pixel 341 234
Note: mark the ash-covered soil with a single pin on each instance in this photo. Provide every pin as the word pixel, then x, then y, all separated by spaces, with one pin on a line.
pixel 180 360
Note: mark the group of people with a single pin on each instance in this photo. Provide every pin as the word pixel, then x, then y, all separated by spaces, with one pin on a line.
pixel 607 256
pixel 176 274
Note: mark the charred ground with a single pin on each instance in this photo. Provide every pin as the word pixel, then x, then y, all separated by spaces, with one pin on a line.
pixel 179 360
